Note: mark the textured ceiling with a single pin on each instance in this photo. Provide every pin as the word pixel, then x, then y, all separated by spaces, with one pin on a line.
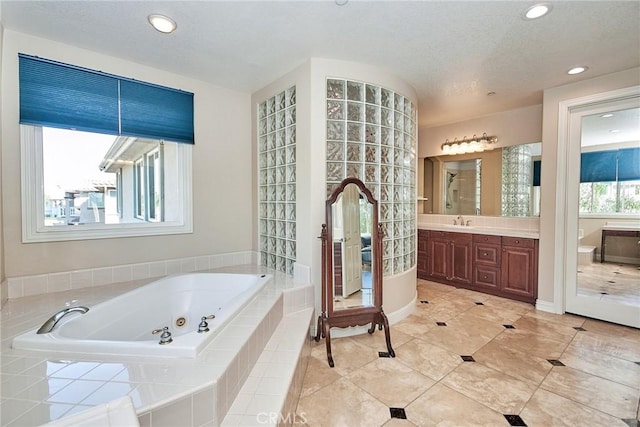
pixel 453 53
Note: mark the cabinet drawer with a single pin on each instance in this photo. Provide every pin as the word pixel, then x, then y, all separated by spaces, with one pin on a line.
pixel 459 237
pixel 486 254
pixel 484 238
pixel 518 241
pixel 485 276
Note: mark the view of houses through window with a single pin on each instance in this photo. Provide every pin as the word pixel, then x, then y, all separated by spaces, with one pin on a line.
pixel 92 178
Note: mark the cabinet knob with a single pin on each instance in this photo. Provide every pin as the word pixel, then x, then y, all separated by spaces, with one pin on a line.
pixel 485 277
pixel 517 241
pixel 484 254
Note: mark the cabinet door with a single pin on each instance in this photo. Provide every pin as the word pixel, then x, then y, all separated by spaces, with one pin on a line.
pixel 423 241
pixel 461 256
pixel 437 260
pixel 518 275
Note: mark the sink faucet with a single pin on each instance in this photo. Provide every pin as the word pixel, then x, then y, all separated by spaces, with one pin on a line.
pixel 53 320
pixel 461 219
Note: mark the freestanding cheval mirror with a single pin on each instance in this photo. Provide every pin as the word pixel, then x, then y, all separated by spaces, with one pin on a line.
pixel 351 264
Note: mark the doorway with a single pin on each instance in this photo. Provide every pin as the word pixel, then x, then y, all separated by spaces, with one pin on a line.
pixel 602 215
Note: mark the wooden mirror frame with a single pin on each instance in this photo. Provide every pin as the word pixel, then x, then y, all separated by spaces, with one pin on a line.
pixel 358 316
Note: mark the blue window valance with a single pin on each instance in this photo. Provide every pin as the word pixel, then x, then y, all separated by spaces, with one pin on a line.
pixel 611 165
pixel 598 166
pixel 65 96
pixel 629 164
pixel 537 164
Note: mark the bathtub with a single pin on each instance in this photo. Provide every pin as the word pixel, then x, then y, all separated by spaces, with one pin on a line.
pixel 123 325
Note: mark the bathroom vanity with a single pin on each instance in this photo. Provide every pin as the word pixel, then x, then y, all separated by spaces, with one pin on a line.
pixel 494 261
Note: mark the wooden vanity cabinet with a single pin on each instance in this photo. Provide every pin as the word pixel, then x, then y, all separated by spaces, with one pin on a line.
pixel 423 241
pixel 486 261
pixel 520 268
pixel 498 265
pixel 449 257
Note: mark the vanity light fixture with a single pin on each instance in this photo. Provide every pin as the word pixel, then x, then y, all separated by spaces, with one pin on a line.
pixel 578 70
pixel 537 11
pixel 469 145
pixel 162 23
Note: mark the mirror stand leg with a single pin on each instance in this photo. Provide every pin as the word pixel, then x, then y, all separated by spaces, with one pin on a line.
pixel 372 329
pixel 319 329
pixel 387 334
pixel 327 336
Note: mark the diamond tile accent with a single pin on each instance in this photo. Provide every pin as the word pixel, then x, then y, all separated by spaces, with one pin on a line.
pixel 398 413
pixel 555 362
pixel 424 302
pixel 383 354
pixel 441 324
pixel 479 303
pixel 579 328
pixel 515 420
pixel 468 358
pixel 509 326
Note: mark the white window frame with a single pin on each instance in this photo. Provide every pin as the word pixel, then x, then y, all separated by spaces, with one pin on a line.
pixel 32 192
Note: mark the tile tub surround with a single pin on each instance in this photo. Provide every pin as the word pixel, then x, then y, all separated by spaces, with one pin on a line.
pixel 23 286
pixel 38 387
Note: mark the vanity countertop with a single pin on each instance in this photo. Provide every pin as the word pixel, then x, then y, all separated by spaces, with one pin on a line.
pixel 494 231
pixel 622 226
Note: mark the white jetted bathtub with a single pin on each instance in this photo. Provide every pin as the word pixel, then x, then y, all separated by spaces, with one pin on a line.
pixel 124 324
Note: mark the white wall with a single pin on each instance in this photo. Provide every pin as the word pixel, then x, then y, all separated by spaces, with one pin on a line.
pixel 3 285
pixel 512 127
pixel 550 280
pixel 222 186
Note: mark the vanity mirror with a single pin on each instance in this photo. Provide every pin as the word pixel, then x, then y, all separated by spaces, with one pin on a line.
pixel 351 264
pixel 500 182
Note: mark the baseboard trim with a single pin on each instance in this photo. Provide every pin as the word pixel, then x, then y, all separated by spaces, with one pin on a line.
pixel 547 306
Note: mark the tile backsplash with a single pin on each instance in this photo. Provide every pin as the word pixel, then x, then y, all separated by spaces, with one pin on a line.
pixel 62 281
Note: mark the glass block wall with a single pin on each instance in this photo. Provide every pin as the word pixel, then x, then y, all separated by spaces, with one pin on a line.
pixel 277 180
pixel 371 135
pixel 517 179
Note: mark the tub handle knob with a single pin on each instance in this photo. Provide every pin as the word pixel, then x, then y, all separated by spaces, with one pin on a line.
pixel 204 326
pixel 165 338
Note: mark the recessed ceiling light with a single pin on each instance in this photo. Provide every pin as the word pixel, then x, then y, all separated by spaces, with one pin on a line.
pixel 607 115
pixel 537 11
pixel 577 70
pixel 341 2
pixel 615 131
pixel 162 23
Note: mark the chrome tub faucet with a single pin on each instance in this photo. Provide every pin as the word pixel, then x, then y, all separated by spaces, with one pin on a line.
pixel 53 320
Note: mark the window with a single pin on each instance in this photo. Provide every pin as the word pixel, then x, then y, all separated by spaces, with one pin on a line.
pixel 101 154
pixel 610 182
pixel 74 186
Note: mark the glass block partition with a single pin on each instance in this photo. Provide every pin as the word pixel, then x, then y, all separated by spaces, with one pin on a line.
pixel 517 180
pixel 277 180
pixel 371 135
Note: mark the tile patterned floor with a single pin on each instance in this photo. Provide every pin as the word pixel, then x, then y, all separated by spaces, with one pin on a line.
pixel 610 281
pixel 541 372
